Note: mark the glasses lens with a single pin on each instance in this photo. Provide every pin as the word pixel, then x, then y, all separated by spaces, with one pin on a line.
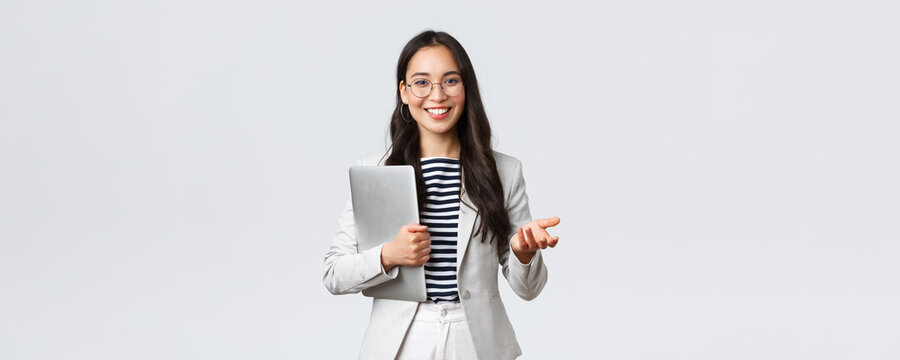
pixel 452 87
pixel 420 87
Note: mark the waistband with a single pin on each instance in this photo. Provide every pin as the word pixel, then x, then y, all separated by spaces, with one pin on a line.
pixel 443 313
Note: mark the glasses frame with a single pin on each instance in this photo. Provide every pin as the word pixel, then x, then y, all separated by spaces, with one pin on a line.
pixel 431 88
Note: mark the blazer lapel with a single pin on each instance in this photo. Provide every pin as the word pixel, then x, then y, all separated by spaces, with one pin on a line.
pixel 467 217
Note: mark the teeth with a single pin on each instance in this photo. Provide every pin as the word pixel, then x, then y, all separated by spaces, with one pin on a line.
pixel 437 111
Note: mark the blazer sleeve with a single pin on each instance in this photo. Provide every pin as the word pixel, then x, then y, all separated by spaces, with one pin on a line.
pixel 526 280
pixel 348 271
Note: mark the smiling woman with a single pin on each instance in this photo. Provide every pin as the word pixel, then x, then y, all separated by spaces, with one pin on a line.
pixel 425 104
pixel 445 135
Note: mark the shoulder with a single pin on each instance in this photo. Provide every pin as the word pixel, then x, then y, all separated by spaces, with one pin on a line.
pixel 373 159
pixel 509 168
pixel 507 165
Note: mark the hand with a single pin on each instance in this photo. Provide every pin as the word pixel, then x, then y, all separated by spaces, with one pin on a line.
pixel 410 247
pixel 533 236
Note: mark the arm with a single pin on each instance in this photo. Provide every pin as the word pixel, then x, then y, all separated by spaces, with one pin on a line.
pixel 348 271
pixel 526 279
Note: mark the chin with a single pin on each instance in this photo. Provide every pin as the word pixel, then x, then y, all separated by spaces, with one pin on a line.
pixel 440 129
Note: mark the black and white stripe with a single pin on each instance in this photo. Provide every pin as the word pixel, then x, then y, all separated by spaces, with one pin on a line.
pixel 441 215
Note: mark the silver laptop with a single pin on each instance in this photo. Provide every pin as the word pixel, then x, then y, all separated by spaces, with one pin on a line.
pixel 384 199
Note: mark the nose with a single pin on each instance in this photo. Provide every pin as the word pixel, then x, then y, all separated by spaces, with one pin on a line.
pixel 437 93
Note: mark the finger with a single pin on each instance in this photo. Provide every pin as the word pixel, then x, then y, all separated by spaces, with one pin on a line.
pixel 529 238
pixel 548 222
pixel 413 228
pixel 521 238
pixel 553 241
pixel 542 241
pixel 542 237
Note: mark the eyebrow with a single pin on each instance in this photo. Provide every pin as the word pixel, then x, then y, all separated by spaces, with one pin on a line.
pixel 451 72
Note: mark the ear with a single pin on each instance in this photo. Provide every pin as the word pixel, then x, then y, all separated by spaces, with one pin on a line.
pixel 402 90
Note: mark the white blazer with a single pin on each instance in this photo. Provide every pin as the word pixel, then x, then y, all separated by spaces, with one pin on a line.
pixel 347 271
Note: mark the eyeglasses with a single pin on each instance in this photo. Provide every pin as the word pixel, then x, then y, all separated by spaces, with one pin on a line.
pixel 422 87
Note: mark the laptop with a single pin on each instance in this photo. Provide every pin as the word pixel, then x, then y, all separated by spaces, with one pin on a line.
pixel 384 199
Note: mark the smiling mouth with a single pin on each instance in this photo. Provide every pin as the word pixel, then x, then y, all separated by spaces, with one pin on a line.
pixel 437 111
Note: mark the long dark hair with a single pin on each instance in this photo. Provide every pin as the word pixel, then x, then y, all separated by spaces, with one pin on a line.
pixel 476 158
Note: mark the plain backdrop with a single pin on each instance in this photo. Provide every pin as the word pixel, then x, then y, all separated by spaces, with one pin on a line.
pixel 172 172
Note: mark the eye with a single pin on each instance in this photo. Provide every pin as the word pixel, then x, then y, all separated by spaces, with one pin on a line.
pixel 420 83
pixel 452 82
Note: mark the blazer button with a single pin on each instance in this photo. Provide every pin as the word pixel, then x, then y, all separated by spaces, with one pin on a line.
pixel 465 294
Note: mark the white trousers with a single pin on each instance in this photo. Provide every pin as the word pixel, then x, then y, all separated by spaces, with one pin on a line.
pixel 438 332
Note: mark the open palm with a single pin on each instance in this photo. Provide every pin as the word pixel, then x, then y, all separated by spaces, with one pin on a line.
pixel 533 236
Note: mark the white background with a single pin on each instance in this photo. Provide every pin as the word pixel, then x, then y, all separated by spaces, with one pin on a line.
pixel 171 173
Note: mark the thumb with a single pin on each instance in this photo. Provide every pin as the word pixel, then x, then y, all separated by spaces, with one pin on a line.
pixel 548 222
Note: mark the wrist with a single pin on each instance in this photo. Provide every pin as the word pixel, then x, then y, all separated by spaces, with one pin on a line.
pixel 385 263
pixel 523 256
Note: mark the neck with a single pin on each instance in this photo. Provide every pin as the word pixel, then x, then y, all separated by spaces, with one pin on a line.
pixel 439 145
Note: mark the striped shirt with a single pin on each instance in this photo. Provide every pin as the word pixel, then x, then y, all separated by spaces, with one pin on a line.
pixel 441 216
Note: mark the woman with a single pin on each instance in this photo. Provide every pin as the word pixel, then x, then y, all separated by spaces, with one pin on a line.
pixel 439 126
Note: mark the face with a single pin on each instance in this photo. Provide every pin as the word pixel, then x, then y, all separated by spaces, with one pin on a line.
pixel 435 113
